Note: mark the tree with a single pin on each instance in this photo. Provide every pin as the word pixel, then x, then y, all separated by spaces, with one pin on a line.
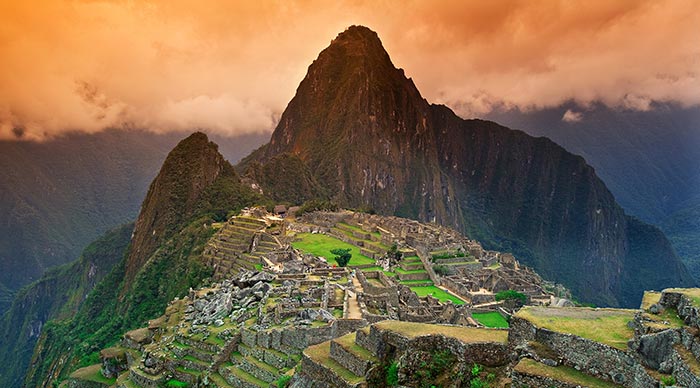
pixel 342 256
pixel 513 296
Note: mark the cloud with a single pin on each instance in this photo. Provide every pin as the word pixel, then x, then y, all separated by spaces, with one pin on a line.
pixel 232 67
pixel 571 116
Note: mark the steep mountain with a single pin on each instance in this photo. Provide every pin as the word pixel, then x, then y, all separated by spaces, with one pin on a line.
pixel 648 159
pixel 192 190
pixel 57 295
pixel 57 196
pixel 362 129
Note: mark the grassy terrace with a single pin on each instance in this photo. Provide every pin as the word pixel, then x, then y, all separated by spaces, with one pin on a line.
pixel 321 353
pixel 607 326
pixel 436 292
pixel 492 319
pixel 462 333
pixel 92 373
pixel 650 298
pixel 348 343
pixel 561 373
pixel 692 293
pixel 321 245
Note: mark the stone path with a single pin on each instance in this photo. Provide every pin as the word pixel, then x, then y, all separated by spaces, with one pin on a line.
pixel 354 311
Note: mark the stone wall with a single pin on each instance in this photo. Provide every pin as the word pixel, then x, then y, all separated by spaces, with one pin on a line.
pixel 593 358
pixel 522 380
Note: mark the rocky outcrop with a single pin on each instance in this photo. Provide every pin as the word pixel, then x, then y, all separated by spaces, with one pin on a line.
pixel 363 131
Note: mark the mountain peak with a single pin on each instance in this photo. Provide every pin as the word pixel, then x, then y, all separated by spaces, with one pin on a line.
pixel 352 90
pixel 192 166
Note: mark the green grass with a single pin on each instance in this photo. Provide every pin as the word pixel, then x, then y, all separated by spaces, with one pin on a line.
pixel 176 384
pixel 390 274
pixel 436 292
pixel 370 269
pixel 321 245
pixel 492 319
pixel 692 293
pixel 321 354
pixel 607 326
pixel 462 333
pixel 403 271
pixel 92 373
pixel 348 343
pixel 561 373
pixel 426 282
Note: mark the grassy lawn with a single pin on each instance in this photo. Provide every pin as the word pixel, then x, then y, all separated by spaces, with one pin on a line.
pixel 390 274
pixel 492 319
pixel 370 269
pixel 436 292
pixel 410 282
pixel 321 245
pixel 462 333
pixel 561 373
pixel 607 326
pixel 92 373
pixel 403 271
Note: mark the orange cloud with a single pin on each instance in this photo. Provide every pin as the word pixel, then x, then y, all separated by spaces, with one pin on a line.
pixel 231 67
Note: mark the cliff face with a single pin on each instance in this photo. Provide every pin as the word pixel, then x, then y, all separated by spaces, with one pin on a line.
pixel 57 295
pixel 362 129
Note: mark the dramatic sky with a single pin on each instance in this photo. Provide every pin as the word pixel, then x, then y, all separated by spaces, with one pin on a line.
pixel 231 67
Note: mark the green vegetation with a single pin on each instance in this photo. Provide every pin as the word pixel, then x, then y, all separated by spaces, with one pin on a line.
pixel 173 264
pixel 512 295
pixel 436 292
pixel 436 364
pixel 57 295
pixel 392 374
pixel 317 205
pixel 561 373
pixel 692 293
pixel 342 256
pixel 321 354
pixel 321 245
pixel 491 319
pixel 462 333
pixel 283 381
pixel 668 381
pixel 443 270
pixel 176 384
pixel 608 326
pixel 92 373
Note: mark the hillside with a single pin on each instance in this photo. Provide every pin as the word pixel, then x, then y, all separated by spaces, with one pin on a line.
pixel 630 152
pixel 189 193
pixel 362 129
pixel 56 296
pixel 59 195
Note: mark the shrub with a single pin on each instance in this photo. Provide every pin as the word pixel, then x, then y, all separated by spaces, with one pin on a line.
pixel 392 374
pixel 443 270
pixel 316 205
pixel 283 381
pixel 342 256
pixel 668 381
pixel 512 295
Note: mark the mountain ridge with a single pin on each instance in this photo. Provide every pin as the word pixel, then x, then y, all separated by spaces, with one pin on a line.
pixel 362 129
